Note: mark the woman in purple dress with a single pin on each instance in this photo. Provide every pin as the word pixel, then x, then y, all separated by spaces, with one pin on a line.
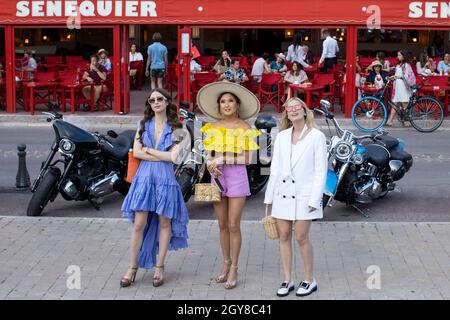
pixel 155 203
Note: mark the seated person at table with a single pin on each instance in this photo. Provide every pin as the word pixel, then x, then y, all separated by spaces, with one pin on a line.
pixel 377 76
pixel 381 57
pixel 279 65
pixel 95 74
pixel 295 76
pixel 444 65
pixel 195 67
pixel 223 63
pixel 234 73
pixel 425 66
pixel 261 66
pixel 104 60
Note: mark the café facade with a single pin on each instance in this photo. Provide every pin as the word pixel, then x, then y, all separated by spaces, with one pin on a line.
pixel 118 16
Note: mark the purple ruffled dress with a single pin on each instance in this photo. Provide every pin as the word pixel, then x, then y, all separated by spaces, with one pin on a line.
pixel 155 190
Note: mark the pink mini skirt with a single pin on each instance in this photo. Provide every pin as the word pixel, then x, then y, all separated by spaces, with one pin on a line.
pixel 234 180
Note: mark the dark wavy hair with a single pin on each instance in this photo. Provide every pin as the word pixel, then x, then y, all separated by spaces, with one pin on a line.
pixel 406 57
pixel 299 67
pixel 171 112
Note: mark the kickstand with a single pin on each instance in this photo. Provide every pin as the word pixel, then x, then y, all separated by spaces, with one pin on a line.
pixel 360 211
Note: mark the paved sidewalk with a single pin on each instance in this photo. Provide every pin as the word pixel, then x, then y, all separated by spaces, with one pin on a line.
pixel 414 260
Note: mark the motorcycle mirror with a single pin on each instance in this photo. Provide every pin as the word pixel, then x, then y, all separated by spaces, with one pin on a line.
pixel 326 104
pixel 112 134
pixel 184 105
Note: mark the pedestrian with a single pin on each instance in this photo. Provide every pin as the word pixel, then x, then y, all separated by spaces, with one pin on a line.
pixel 330 49
pixel 297 178
pixel 404 79
pixel 156 62
pixel 229 142
pixel 154 203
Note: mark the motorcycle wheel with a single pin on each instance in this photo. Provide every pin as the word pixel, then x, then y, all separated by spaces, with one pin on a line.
pixel 43 192
pixel 185 181
pixel 256 180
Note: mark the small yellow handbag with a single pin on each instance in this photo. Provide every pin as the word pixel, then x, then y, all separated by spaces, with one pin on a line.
pixel 207 192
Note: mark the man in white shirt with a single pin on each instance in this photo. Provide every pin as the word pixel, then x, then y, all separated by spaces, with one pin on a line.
pixel 330 49
pixel 261 66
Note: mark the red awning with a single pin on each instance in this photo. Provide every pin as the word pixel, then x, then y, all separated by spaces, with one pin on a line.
pixel 238 12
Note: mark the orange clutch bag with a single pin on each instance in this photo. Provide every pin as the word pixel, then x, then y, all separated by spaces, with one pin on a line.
pixel 133 165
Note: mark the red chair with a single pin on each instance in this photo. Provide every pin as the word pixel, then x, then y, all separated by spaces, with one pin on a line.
pixel 106 99
pixel 438 82
pixel 201 80
pixel 326 80
pixel 207 62
pixel 42 90
pixel 136 80
pixel 67 80
pixel 70 59
pixel 172 78
pixel 270 90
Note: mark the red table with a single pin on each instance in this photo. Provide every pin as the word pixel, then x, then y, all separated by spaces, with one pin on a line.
pixel 307 89
pixel 30 87
pixel 73 86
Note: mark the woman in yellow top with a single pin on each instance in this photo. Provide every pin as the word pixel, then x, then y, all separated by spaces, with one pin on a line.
pixel 229 142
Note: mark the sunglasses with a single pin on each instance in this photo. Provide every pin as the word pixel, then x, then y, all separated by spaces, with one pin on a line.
pixel 159 99
pixel 294 108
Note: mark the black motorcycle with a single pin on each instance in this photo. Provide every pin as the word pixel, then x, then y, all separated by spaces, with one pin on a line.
pixel 90 166
pixel 362 168
pixel 191 169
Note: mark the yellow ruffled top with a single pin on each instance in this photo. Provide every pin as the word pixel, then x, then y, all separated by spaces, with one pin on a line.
pixel 222 139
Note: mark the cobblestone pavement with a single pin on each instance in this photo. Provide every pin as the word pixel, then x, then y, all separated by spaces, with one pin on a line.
pixel 35 253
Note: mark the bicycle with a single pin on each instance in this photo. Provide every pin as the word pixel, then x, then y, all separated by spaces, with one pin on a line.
pixel 369 114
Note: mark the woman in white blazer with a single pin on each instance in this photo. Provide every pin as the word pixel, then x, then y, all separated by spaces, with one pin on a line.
pixel 297 178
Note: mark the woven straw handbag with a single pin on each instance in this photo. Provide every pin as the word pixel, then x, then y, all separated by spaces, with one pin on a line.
pixel 207 192
pixel 270 226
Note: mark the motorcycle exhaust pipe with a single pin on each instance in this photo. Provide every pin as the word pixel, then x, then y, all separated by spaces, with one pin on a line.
pixel 104 186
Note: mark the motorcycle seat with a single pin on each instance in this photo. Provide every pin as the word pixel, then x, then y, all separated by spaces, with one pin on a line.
pixel 265 122
pixel 389 142
pixel 122 144
pixel 377 155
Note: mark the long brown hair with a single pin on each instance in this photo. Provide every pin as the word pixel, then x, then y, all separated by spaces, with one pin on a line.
pixel 171 112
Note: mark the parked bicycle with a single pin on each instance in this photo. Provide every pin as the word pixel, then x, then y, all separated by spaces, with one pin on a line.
pixel 425 113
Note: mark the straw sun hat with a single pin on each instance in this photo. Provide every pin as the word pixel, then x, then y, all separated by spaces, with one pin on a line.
pixel 281 56
pixel 376 63
pixel 208 95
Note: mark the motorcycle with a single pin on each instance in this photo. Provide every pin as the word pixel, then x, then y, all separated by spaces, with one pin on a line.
pixel 362 168
pixel 93 166
pixel 191 169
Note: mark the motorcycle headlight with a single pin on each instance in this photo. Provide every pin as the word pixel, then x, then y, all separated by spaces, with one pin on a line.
pixel 66 146
pixel 358 159
pixel 343 151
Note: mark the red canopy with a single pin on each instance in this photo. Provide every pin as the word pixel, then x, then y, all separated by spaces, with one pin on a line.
pixel 238 12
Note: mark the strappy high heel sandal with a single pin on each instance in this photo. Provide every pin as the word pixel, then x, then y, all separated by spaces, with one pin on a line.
pixel 221 278
pixel 158 281
pixel 126 282
pixel 232 284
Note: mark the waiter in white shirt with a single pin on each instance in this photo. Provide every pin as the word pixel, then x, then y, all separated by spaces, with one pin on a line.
pixel 296 52
pixel 330 49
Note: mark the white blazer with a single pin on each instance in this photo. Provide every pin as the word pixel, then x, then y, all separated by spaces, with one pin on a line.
pixel 291 191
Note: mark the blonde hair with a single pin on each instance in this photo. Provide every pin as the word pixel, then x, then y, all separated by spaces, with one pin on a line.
pixel 285 123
